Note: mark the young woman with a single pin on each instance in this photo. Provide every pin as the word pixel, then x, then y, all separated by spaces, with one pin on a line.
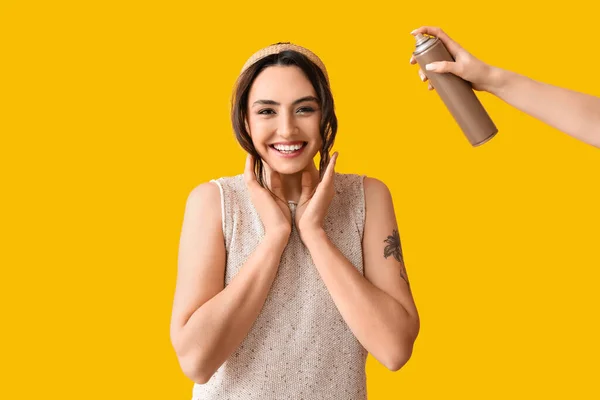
pixel 289 274
pixel 576 114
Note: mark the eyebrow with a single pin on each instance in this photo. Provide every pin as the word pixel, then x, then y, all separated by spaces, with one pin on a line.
pixel 274 103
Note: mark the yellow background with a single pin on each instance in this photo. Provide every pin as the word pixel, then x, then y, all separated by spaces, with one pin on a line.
pixel 113 111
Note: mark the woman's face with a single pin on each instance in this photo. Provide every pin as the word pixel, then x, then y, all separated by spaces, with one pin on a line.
pixel 283 118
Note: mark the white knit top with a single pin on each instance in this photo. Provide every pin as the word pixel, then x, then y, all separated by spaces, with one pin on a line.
pixel 299 346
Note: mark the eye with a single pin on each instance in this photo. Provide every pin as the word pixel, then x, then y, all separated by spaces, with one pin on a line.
pixel 305 110
pixel 266 111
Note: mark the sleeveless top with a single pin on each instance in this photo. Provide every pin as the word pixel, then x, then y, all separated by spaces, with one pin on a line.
pixel 299 347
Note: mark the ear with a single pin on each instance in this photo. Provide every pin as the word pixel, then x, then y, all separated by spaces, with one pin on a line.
pixel 247 126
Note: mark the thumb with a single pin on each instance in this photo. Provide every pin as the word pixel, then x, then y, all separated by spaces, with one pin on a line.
pixel 444 67
pixel 330 170
pixel 249 175
pixel 307 188
pixel 328 178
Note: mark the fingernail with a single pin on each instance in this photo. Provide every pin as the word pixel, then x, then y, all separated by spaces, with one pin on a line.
pixel 422 76
pixel 431 67
pixel 413 32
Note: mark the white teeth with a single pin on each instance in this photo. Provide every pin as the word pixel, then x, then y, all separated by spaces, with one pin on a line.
pixel 282 147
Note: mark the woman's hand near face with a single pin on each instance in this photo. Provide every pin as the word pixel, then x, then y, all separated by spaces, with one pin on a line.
pixel 272 209
pixel 314 203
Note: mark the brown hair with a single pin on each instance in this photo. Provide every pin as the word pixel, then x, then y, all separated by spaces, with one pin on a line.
pixel 239 105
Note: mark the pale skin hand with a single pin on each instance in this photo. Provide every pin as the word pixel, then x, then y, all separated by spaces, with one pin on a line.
pixel 574 113
pixel 465 65
pixel 272 209
pixel 314 203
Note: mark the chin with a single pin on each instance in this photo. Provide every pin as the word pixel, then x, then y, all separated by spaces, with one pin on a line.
pixel 288 167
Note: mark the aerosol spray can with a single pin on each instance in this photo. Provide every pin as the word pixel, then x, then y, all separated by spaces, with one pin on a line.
pixel 456 93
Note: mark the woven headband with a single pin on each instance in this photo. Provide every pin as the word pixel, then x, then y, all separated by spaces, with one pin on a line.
pixel 282 46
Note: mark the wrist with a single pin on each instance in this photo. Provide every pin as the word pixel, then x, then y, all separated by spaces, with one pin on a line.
pixel 277 239
pixel 312 235
pixel 498 80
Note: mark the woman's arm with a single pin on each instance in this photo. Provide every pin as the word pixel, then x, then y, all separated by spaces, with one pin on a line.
pixel 576 114
pixel 209 321
pixel 378 307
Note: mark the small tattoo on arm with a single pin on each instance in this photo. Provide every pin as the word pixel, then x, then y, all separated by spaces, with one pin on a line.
pixel 394 248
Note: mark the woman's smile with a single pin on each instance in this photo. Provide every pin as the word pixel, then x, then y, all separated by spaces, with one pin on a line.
pixel 287 149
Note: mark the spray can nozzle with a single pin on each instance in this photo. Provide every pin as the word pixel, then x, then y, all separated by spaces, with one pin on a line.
pixel 423 42
pixel 419 37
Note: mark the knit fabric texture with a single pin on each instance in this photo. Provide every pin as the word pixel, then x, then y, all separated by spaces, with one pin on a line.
pixel 299 346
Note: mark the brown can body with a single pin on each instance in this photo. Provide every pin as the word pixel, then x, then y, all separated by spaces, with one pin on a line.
pixel 456 93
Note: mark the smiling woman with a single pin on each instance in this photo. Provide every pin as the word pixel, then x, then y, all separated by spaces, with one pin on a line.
pixel 298 275
pixel 313 99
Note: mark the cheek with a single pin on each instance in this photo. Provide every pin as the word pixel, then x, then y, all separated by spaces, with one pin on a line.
pixel 259 134
pixel 258 131
pixel 312 128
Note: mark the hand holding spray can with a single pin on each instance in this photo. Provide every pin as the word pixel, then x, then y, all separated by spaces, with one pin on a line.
pixel 456 93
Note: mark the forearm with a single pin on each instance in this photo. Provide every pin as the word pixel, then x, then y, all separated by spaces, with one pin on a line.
pixel 574 113
pixel 218 327
pixel 380 323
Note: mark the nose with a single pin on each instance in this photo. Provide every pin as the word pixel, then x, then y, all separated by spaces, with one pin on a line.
pixel 287 125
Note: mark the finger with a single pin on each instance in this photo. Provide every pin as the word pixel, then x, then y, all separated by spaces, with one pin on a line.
pixel 249 175
pixel 330 170
pixel 307 188
pixel 450 44
pixel 422 75
pixel 430 87
pixel 444 67
pixel 413 60
pixel 328 179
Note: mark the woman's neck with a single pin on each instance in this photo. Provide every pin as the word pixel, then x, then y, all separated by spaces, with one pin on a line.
pixel 291 184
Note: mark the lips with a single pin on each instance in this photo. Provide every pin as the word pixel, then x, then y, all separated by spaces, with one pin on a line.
pixel 288 149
